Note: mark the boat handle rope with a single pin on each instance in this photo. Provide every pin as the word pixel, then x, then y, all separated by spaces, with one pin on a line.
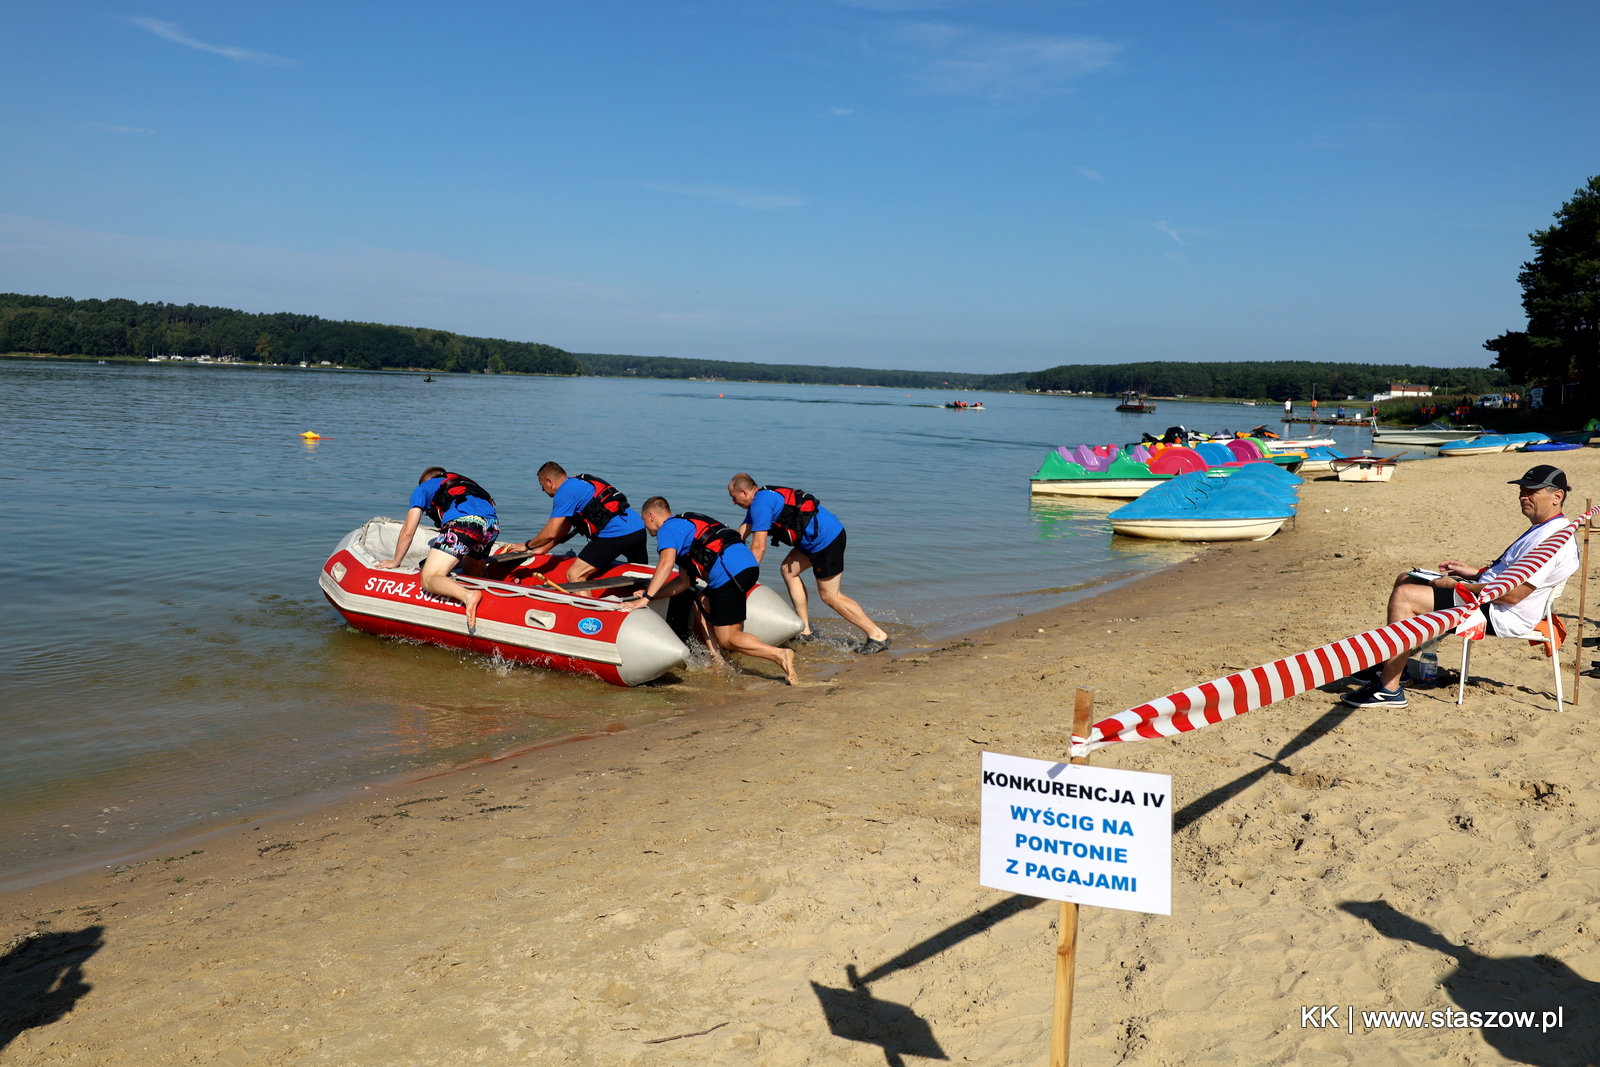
pixel 497 589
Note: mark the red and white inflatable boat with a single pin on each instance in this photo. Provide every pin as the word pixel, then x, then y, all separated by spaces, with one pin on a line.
pixel 521 618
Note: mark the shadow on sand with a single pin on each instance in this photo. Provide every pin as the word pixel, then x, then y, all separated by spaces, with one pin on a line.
pixel 1535 984
pixel 1202 806
pixel 855 1014
pixel 42 978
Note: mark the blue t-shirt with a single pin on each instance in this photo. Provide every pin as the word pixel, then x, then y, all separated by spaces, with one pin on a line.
pixel 422 497
pixel 678 534
pixel 764 510
pixel 574 495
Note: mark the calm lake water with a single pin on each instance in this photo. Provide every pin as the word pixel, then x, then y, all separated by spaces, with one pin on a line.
pixel 169 664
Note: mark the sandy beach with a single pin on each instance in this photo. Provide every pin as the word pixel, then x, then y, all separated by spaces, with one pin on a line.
pixel 792 879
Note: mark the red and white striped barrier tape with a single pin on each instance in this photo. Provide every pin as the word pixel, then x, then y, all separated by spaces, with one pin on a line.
pixel 1226 698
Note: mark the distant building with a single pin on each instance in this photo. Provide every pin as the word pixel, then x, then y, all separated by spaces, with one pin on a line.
pixel 1403 390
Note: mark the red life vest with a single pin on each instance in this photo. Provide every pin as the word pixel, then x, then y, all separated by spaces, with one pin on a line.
pixel 453 490
pixel 711 540
pixel 798 514
pixel 606 504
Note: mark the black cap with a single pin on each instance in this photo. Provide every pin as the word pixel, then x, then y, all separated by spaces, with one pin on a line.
pixel 1543 476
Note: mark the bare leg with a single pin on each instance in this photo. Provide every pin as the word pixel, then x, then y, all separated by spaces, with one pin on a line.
pixel 848 609
pixel 795 564
pixel 1409 599
pixel 578 571
pixel 735 639
pixel 436 579
pixel 707 636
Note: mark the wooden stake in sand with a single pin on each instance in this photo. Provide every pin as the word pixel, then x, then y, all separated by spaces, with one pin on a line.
pixel 1067 927
pixel 1583 589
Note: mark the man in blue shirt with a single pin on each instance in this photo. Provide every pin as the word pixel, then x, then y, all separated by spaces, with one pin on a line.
pixel 594 508
pixel 702 548
pixel 465 515
pixel 791 517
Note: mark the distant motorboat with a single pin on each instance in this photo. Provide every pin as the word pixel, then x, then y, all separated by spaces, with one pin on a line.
pixel 1434 433
pixel 976 405
pixel 1134 404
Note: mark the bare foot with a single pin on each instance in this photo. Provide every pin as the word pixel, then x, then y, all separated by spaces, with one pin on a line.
pixel 788 666
pixel 471 601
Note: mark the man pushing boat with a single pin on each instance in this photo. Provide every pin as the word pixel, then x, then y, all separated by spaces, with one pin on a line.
pixel 794 517
pixel 465 515
pixel 595 508
pixel 702 548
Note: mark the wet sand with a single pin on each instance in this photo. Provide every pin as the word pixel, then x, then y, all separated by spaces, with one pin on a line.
pixel 791 879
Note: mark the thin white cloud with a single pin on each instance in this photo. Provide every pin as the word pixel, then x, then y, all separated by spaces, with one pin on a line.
pixel 723 194
pixel 116 129
pixel 841 111
pixel 960 61
pixel 171 31
pixel 1169 231
pixel 1092 175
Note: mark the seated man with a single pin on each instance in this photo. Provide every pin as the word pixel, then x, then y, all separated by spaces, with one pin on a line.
pixel 793 517
pixel 465 515
pixel 594 508
pixel 1541 493
pixel 701 547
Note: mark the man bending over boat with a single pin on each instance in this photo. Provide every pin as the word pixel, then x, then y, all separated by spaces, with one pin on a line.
pixel 464 513
pixel 594 508
pixel 702 548
pixel 794 517
pixel 1541 494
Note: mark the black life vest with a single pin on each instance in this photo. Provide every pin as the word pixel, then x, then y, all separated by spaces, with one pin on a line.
pixel 711 540
pixel 606 504
pixel 453 490
pixel 798 514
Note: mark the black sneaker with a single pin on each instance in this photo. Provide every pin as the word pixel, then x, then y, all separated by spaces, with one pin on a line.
pixel 1367 676
pixel 1376 696
pixel 868 648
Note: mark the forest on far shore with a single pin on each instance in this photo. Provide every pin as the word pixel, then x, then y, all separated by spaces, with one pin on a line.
pixel 104 329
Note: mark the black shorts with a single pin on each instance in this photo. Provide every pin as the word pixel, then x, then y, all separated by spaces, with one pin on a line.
pixel 1446 598
pixel 724 605
pixel 828 561
pixel 602 552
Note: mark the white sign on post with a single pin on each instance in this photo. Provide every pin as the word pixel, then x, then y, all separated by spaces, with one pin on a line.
pixel 1087 835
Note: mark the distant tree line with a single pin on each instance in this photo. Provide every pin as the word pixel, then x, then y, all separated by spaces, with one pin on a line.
pixel 610 366
pixel 105 328
pixel 1264 381
pixel 102 328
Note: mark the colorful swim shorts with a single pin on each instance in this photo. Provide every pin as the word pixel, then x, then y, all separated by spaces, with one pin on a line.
pixel 467 537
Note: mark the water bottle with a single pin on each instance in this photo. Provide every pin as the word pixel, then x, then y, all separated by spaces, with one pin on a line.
pixel 1428 667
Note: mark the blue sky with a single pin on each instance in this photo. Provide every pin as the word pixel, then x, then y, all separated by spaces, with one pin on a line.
pixel 984 185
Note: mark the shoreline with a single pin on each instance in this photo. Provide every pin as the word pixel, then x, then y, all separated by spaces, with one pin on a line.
pixel 311 804
pixel 792 878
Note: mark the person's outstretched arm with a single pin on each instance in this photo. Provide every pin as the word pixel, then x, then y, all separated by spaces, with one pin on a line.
pixel 402 544
pixel 660 585
pixel 557 530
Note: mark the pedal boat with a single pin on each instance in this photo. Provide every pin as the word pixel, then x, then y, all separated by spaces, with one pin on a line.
pixel 521 617
pixel 1084 471
pixel 1248 503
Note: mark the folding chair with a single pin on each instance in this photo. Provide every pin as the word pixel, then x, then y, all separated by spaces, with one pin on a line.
pixel 1548 639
